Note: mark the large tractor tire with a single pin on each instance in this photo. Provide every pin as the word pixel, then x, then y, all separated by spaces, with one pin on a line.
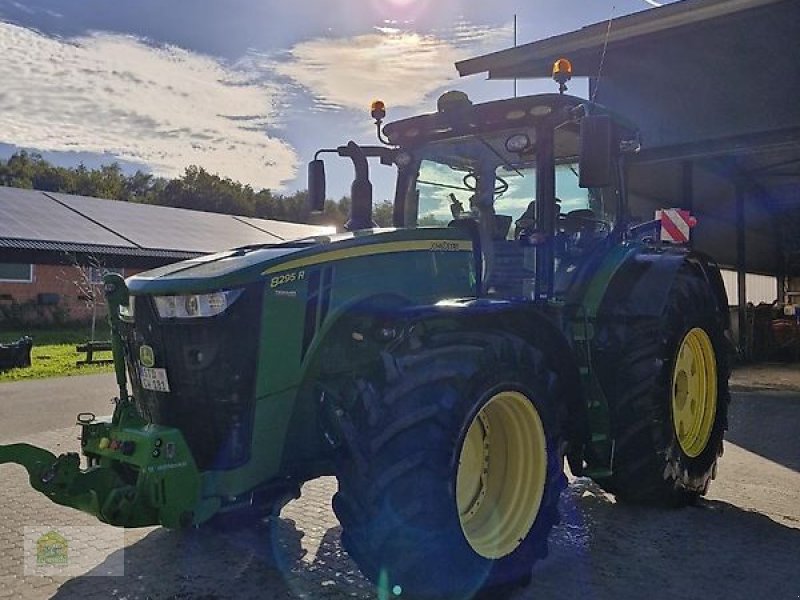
pixel 667 385
pixel 451 469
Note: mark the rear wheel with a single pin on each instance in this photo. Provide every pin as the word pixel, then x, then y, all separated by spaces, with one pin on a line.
pixel 669 397
pixel 451 476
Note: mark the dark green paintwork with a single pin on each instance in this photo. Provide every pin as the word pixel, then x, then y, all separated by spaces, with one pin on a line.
pixel 411 277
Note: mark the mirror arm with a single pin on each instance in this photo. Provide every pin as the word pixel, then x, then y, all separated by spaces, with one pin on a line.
pixel 325 151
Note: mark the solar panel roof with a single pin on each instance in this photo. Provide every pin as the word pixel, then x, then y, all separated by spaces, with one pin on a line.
pixel 29 216
pixel 171 228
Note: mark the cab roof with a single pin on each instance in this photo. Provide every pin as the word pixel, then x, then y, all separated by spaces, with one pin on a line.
pixel 457 117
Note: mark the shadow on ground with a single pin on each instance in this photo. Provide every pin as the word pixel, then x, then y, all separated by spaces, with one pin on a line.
pixel 766 423
pixel 266 561
pixel 601 550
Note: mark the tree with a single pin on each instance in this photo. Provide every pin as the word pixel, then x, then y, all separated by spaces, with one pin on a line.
pixel 19 170
pixel 106 182
pixel 200 190
pixel 431 221
pixel 382 213
pixel 196 189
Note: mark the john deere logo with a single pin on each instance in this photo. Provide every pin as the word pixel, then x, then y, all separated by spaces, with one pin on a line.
pixel 146 356
pixel 52 550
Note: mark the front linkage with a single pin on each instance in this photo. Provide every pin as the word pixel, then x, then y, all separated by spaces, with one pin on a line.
pixel 137 474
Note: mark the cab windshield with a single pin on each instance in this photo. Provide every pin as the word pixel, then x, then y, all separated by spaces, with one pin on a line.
pixel 452 174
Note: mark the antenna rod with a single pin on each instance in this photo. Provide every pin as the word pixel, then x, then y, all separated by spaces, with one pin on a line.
pixel 596 86
pixel 515 45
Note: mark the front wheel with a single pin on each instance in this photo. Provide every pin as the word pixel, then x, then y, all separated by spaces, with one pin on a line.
pixel 451 478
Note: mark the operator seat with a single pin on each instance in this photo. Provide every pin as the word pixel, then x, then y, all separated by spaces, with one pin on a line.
pixel 583 230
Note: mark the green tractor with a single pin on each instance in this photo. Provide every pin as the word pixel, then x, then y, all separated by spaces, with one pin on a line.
pixel 443 373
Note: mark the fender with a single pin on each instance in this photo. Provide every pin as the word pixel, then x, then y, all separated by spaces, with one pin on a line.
pixel 365 330
pixel 526 321
pixel 349 339
pixel 358 317
pixel 640 286
pixel 713 275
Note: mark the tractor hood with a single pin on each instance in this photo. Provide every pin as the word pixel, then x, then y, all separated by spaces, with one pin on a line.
pixel 249 264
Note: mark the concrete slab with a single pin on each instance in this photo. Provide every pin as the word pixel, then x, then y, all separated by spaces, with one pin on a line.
pixel 33 406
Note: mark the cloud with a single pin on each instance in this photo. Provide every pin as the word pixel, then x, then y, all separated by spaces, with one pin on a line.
pixel 162 106
pixel 402 67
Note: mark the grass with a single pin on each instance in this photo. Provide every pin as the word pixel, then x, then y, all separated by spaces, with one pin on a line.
pixel 54 353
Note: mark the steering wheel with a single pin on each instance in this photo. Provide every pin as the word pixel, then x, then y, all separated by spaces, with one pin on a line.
pixel 471 183
pixel 581 219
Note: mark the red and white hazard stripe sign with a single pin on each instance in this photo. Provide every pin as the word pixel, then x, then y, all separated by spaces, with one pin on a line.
pixel 676 224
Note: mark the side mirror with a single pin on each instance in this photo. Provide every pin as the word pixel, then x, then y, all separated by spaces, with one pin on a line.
pixel 316 185
pixel 595 160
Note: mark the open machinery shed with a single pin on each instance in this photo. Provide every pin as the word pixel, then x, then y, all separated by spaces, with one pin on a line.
pixel 714 86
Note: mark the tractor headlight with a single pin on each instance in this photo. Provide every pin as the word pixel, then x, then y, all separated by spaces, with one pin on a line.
pixel 193 306
pixel 518 143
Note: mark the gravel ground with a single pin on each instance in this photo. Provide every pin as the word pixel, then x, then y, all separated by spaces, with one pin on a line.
pixel 743 541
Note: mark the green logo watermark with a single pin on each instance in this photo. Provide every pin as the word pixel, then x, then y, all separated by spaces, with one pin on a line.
pixel 71 551
pixel 52 549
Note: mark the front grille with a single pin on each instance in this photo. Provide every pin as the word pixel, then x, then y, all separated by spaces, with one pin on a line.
pixel 211 366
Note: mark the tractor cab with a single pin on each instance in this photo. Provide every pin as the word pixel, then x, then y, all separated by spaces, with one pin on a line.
pixel 534 181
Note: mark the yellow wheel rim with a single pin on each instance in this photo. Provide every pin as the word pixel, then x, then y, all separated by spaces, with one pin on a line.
pixel 694 392
pixel 501 475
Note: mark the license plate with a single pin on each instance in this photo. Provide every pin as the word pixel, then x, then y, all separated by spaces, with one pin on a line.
pixel 154 379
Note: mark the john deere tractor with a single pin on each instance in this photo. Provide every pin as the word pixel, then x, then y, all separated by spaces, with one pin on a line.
pixel 443 369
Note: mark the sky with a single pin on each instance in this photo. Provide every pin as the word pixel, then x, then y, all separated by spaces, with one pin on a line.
pixel 248 89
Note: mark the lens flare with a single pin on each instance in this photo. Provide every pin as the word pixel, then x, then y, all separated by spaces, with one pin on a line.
pixel 401 10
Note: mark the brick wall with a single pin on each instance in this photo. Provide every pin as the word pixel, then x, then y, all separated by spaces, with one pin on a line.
pixel 68 283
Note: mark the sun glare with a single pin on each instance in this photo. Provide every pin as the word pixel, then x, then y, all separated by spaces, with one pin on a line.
pixel 400 9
